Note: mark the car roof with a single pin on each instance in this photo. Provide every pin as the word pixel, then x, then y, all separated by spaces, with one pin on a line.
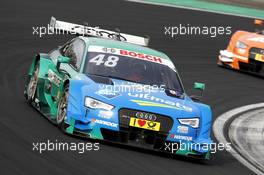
pixel 123 45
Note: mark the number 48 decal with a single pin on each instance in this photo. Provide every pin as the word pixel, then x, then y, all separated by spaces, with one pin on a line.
pixel 111 60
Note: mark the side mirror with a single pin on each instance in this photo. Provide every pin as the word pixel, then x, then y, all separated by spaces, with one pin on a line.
pixel 258 25
pixel 258 22
pixel 201 88
pixel 62 59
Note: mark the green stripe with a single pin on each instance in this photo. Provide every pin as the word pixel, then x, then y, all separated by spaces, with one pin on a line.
pixel 215 7
pixel 146 103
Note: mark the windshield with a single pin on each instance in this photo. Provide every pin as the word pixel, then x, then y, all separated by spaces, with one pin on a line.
pixel 132 69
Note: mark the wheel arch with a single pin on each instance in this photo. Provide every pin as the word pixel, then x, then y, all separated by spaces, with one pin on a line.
pixel 66 82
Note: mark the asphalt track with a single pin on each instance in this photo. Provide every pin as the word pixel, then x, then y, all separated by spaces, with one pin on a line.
pixel 194 56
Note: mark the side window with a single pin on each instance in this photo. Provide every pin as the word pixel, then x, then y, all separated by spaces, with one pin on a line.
pixel 74 51
pixel 54 54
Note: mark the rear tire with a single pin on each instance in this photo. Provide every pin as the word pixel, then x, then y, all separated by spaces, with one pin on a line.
pixel 32 85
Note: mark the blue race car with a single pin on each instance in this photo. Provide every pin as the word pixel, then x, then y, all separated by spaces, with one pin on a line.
pixel 109 86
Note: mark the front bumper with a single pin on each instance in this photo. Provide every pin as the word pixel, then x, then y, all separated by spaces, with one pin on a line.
pixel 230 59
pixel 234 61
pixel 141 138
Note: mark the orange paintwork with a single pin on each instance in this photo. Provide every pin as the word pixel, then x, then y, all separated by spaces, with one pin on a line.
pixel 250 39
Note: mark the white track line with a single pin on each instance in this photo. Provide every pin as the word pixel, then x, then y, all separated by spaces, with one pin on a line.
pixel 191 8
pixel 218 129
pixel 245 132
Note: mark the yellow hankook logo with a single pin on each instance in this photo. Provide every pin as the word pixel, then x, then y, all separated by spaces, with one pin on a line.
pixel 144 124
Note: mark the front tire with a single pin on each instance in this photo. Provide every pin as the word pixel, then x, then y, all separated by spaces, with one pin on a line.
pixel 62 108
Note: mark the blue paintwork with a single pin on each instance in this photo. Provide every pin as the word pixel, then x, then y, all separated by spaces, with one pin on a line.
pixel 83 86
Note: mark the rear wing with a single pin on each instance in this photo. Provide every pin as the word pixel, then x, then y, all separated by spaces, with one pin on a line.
pixel 83 30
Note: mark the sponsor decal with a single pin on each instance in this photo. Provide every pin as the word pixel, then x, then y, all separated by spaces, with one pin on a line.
pixel 108 50
pixel 106 123
pixel 180 137
pixel 257 39
pixel 105 114
pixel 144 124
pixel 141 56
pixel 158 102
pixel 131 54
pixel 182 129
pixel 259 57
pixel 85 30
pixel 107 93
pixel 52 77
pixel 125 116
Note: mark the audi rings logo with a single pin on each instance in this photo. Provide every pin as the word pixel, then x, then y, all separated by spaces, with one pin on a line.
pixel 146 116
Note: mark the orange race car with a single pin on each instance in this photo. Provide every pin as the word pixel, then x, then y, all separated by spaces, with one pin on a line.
pixel 245 51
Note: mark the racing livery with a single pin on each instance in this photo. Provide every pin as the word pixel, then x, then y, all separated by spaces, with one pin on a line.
pixel 245 51
pixel 110 86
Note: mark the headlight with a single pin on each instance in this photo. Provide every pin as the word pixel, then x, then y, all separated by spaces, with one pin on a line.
pixel 96 104
pixel 193 122
pixel 241 45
